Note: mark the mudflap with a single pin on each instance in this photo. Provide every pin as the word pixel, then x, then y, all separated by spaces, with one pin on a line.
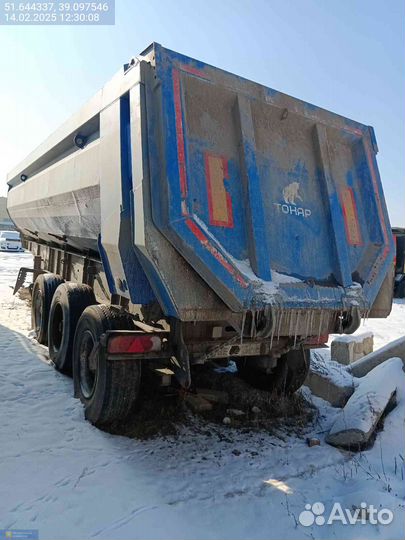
pixel 180 362
pixel 22 274
pixel 383 303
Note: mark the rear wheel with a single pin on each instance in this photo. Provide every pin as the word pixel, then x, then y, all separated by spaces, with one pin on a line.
pixel 42 293
pixel 109 389
pixel 400 289
pixel 287 376
pixel 351 321
pixel 68 303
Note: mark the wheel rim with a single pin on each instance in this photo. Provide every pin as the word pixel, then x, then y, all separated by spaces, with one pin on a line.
pixel 88 364
pixel 57 327
pixel 38 309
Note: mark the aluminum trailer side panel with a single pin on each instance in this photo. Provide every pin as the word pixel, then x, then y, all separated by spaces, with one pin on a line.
pixel 85 199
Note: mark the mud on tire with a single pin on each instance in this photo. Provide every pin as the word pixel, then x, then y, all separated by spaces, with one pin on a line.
pixel 108 389
pixel 42 293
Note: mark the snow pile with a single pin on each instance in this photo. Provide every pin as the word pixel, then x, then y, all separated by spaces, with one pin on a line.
pixel 358 419
pixel 330 370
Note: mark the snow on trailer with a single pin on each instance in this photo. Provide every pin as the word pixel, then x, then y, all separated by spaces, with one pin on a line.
pixel 185 214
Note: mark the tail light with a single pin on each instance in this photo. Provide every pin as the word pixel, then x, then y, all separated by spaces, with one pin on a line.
pixel 134 343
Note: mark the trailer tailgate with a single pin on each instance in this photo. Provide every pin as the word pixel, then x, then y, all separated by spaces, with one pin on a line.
pixel 270 199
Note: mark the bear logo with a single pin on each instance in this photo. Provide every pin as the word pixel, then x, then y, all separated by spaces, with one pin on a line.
pixel 290 193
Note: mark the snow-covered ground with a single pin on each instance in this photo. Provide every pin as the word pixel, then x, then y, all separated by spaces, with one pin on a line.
pixel 62 476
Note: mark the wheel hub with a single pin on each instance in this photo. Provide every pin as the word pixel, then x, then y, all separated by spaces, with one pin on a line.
pixel 88 364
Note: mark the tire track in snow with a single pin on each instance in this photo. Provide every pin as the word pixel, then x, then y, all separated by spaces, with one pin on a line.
pixel 124 520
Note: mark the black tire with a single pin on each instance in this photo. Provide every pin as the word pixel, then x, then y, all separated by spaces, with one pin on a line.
pixel 400 289
pixel 68 303
pixel 351 321
pixel 42 293
pixel 109 389
pixel 287 377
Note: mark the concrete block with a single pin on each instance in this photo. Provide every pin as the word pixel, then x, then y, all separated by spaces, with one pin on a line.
pixel 342 351
pixel 357 421
pixel 347 349
pixel 361 367
pixel 368 344
pixel 328 390
pixel 330 381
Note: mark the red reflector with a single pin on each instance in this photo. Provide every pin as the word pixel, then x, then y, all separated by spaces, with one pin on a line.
pixel 132 343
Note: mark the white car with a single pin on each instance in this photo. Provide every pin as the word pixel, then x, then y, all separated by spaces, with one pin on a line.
pixel 10 241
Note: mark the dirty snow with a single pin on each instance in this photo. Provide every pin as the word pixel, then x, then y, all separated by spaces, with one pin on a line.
pixel 62 476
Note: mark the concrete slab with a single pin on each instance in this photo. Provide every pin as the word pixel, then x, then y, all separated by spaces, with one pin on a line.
pixel 361 367
pixel 358 420
pixel 347 349
pixel 330 380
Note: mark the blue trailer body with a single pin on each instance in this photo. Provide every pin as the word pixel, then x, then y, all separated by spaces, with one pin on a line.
pixel 270 199
pixel 211 194
pixel 212 218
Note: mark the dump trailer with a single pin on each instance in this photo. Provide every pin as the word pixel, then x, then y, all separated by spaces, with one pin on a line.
pixel 187 215
pixel 399 285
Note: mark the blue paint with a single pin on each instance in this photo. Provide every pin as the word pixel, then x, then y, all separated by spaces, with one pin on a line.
pixel 233 239
pixel 350 179
pixel 160 290
pixel 106 266
pixel 290 215
pixel 254 196
pixel 373 139
pixel 136 281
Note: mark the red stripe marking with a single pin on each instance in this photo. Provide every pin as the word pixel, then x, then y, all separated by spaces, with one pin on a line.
pixel 229 222
pixel 194 71
pixel 355 131
pixel 183 182
pixel 180 134
pixel 218 256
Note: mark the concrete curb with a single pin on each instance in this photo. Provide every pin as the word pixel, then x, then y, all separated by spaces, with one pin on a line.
pixel 361 367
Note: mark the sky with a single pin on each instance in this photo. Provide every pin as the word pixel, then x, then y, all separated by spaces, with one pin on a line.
pixel 344 55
